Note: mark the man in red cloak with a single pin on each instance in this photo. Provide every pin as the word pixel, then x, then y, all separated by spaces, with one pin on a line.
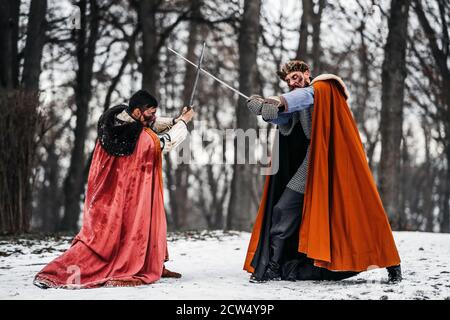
pixel 122 241
pixel 320 217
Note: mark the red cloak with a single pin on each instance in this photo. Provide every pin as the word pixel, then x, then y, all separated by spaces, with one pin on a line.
pixel 123 237
pixel 344 226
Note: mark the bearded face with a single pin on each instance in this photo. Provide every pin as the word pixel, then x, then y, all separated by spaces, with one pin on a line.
pixel 146 116
pixel 297 79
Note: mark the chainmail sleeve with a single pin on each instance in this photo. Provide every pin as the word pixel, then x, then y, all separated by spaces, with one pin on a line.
pixel 298 181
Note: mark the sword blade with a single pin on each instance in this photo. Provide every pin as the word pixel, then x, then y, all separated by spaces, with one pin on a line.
pixel 209 74
pixel 191 100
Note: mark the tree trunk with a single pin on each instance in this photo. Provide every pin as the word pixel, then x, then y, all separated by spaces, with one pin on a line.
pixel 150 62
pixel 316 44
pixel 445 221
pixel 404 177
pixel 35 43
pixel 302 50
pixel 393 85
pixel 441 55
pixel 241 209
pixel 362 96
pixel 49 200
pixel 74 182
pixel 180 201
pixel 20 118
pixel 9 36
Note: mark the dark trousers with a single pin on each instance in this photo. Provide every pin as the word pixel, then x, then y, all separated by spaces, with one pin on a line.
pixel 286 219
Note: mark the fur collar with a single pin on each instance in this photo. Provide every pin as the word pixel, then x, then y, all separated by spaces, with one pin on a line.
pixel 327 76
pixel 116 134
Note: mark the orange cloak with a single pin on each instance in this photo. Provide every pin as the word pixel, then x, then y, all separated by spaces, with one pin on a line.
pixel 344 226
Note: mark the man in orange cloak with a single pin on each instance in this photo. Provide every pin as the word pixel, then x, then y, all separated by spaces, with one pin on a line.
pixel 320 217
pixel 123 238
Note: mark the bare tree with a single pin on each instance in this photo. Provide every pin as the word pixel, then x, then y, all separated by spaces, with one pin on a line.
pixel 309 32
pixel 130 53
pixel 154 36
pixel 36 38
pixel 20 119
pixel 180 201
pixel 86 39
pixel 393 87
pixel 316 42
pixel 9 37
pixel 242 209
pixel 305 22
pixel 440 51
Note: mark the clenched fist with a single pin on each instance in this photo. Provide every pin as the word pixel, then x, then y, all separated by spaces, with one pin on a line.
pixel 186 115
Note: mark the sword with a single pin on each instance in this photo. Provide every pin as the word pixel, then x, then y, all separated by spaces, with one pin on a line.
pixel 209 74
pixel 199 66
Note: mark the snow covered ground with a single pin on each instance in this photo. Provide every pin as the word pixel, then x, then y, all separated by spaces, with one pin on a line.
pixel 211 264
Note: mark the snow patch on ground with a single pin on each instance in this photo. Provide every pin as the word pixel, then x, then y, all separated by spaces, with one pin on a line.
pixel 211 264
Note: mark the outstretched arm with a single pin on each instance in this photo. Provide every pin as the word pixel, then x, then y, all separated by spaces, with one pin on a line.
pixel 267 110
pixel 278 110
pixel 298 99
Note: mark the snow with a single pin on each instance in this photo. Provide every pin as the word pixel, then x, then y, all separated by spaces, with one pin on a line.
pixel 211 264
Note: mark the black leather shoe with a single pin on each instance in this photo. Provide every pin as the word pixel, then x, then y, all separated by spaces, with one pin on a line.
pixel 394 274
pixel 40 284
pixel 272 273
pixel 255 279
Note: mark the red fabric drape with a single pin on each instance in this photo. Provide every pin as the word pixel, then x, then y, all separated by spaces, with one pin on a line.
pixel 123 237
